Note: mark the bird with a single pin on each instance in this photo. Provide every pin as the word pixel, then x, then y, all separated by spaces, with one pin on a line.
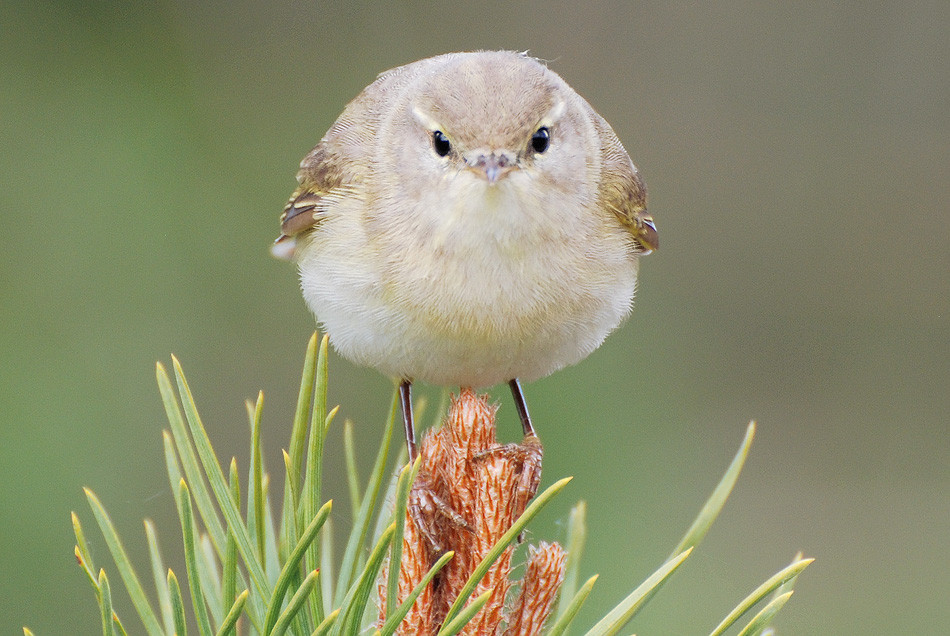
pixel 468 220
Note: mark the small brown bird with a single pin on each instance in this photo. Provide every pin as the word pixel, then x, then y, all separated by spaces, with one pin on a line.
pixel 468 220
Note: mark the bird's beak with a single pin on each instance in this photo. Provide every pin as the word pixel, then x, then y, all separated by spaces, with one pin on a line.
pixel 492 167
pixel 645 232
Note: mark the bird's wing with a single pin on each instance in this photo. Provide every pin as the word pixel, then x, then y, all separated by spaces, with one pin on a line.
pixel 336 168
pixel 622 190
pixel 322 181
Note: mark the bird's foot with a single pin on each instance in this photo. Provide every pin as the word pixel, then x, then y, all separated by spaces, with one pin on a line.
pixel 528 456
pixel 428 511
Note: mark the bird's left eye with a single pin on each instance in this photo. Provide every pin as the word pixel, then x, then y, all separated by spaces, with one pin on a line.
pixel 441 143
pixel 541 139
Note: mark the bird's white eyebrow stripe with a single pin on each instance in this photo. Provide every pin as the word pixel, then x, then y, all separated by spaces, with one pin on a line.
pixel 425 120
pixel 554 114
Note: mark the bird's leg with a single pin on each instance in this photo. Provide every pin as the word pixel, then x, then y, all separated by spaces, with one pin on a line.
pixel 425 506
pixel 405 400
pixel 522 408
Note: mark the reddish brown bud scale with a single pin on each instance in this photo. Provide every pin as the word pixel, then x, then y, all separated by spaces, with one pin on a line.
pixel 470 491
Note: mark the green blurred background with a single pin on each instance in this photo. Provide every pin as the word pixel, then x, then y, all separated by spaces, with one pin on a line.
pixel 797 158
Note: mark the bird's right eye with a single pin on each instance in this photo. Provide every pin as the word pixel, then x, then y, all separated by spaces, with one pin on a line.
pixel 440 143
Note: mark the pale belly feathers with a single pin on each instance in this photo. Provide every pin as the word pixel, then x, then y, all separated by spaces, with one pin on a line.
pixel 471 294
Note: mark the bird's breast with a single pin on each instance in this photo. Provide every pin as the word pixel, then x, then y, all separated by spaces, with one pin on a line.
pixel 496 261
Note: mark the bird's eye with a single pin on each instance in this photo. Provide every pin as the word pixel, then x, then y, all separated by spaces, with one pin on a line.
pixel 440 143
pixel 541 139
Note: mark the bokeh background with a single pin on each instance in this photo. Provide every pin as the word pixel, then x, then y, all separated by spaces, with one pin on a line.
pixel 797 158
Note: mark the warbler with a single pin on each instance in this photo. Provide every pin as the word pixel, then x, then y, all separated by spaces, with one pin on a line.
pixel 468 220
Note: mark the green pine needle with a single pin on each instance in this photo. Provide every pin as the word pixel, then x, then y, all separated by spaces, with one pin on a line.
pixel 324 628
pixel 357 538
pixel 126 571
pixel 406 478
pixel 717 500
pixel 158 574
pixel 257 468
pixel 576 537
pixel 292 564
pixel 230 564
pixel 191 561
pixel 312 485
pixel 354 603
pixel 465 616
pixel 220 488
pixel 185 451
pixel 395 617
pixel 178 605
pixel 614 621
pixel 82 547
pixel 295 605
pixel 571 608
pixel 761 620
pixel 105 603
pixel 778 579
pixel 352 475
pixel 230 621
pixel 301 416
